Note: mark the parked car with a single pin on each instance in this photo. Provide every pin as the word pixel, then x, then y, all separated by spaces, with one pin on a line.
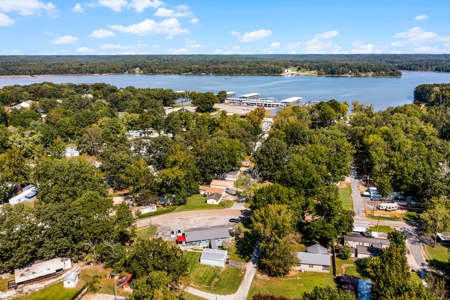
pixel 179 232
pixel 366 194
pixel 241 199
pixel 172 234
pixel 234 220
pixel 231 192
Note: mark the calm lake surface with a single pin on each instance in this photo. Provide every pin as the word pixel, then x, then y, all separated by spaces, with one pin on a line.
pixel 381 92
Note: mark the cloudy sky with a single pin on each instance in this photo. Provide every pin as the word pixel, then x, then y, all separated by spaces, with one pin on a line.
pixel 33 27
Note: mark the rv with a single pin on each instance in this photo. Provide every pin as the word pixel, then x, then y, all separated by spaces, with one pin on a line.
pixel 388 206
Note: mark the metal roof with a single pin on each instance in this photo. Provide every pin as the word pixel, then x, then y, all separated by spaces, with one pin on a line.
pixel 71 276
pixel 38 270
pixel 249 95
pixel 214 196
pixel 314 259
pixel 364 292
pixel 292 100
pixel 318 249
pixel 213 254
pixel 205 233
pixel 25 196
pixel 363 239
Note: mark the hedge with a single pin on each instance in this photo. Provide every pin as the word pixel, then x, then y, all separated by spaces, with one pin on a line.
pixel 158 212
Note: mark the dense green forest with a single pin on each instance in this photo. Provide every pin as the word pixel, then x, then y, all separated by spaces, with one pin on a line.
pixel 433 94
pixel 357 65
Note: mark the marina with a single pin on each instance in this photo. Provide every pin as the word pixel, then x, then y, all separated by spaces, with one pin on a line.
pixel 254 99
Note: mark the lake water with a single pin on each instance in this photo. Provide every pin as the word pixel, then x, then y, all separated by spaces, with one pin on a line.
pixel 381 92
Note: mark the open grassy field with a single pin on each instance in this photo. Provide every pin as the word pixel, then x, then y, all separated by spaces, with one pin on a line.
pixel 146 233
pixel 291 287
pixel 381 228
pixel 212 279
pixel 198 202
pixel 346 192
pixel 438 257
pixel 54 292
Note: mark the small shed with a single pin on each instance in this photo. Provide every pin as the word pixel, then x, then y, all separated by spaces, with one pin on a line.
pixel 71 280
pixel 214 257
pixel 214 198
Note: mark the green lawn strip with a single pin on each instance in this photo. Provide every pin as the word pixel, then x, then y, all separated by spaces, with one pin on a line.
pixel 439 257
pixel 383 218
pixel 416 277
pixel 345 195
pixel 187 296
pixel 198 202
pixel 381 228
pixel 4 283
pixel 291 287
pixel 54 292
pixel 340 263
pixel 212 279
pixel 146 233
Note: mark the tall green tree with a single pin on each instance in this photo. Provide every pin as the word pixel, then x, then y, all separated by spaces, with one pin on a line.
pixel 436 219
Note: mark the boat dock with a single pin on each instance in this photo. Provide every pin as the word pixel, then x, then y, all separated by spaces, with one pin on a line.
pixel 254 99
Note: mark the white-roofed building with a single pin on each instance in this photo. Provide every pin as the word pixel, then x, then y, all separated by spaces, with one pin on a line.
pixel 46 269
pixel 28 195
pixel 292 100
pixel 250 96
pixel 214 257
pixel 72 152
pixel 71 280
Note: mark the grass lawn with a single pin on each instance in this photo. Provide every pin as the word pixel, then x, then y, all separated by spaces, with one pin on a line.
pixel 4 283
pixel 198 202
pixel 292 287
pixel 345 195
pixel 382 228
pixel 416 277
pixel 188 296
pixel 146 233
pixel 54 292
pixel 340 263
pixel 212 279
pixel 384 218
pixel 438 257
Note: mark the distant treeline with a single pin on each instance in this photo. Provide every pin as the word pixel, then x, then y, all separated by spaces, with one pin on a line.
pixel 433 94
pixel 358 65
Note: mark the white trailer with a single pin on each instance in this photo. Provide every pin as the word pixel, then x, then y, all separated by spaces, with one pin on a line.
pixel 388 206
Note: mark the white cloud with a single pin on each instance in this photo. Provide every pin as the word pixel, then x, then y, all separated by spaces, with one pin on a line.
pixel 228 52
pixel 275 45
pixel 292 52
pixel 170 27
pixel 234 33
pixel 12 52
pixel 267 51
pixel 119 46
pixel 337 50
pixel 426 49
pixel 291 46
pixel 421 17
pixel 194 21
pixel 115 5
pixel 192 46
pixel 398 44
pixel 217 51
pixel 67 39
pixel 418 35
pixel 236 47
pixel 48 33
pixel 5 20
pixel 26 7
pixel 255 35
pixel 327 34
pixel 170 13
pixel 141 5
pixel 177 51
pixel 77 8
pixel 182 7
pixel 101 34
pixel 85 50
pixel 360 48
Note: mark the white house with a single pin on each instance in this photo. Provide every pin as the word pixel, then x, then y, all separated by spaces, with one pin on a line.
pixel 313 262
pixel 232 176
pixel 359 240
pixel 360 227
pixel 214 257
pixel 71 280
pixel 28 195
pixel 72 152
pixel 214 198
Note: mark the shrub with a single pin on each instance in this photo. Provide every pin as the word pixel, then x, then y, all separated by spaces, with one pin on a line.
pixel 411 216
pixel 158 212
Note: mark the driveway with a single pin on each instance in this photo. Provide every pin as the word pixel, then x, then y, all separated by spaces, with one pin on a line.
pixel 358 202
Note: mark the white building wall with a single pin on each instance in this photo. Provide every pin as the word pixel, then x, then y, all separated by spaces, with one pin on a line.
pixel 214 263
pixel 313 268
pixel 71 283
pixel 212 201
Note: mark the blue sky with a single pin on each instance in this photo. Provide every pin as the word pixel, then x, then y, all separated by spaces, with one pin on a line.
pixel 33 27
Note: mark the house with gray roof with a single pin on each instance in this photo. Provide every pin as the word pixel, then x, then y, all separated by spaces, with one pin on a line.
pixel 313 262
pixel 318 249
pixel 206 236
pixel 359 240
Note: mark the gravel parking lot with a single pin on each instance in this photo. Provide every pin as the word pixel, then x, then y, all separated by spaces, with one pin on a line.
pixel 183 224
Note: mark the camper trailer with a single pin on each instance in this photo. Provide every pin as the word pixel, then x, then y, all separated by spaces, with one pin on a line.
pixel 388 206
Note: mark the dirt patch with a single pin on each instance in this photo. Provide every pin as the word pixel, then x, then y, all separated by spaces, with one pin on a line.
pixel 344 267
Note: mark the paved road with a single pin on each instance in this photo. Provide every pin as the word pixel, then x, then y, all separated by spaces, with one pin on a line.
pixel 358 204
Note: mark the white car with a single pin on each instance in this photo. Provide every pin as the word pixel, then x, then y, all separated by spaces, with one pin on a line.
pixel 179 232
pixel 366 194
pixel 172 234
